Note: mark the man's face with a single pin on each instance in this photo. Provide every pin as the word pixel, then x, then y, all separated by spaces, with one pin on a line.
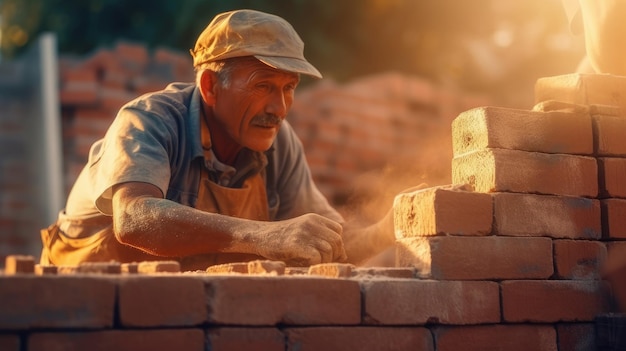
pixel 252 107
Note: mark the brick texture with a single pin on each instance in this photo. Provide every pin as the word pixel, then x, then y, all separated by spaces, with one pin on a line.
pixel 477 258
pixel 291 300
pixel 418 302
pixel 613 219
pixel 576 336
pixel 582 89
pixel 245 339
pixel 505 128
pixel 10 342
pixel 168 300
pixel 119 340
pixel 497 337
pixel 442 210
pixel 579 259
pixel 501 170
pixel 609 134
pixel 56 302
pixel 611 177
pixel 359 338
pixel 553 301
pixel 552 216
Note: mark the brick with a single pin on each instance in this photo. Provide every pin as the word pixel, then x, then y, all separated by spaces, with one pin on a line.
pixel 553 301
pixel 56 302
pixel 477 258
pixel 562 106
pixel 441 210
pixel 615 272
pixel 266 267
pixel 227 268
pixel 294 300
pixel 151 301
pixel 119 340
pixel 359 338
pixel 554 132
pixel 130 268
pixel 332 270
pixel 496 337
pixel 384 272
pixel 10 342
pixel 552 216
pixel 244 339
pixel 99 267
pixel 576 336
pixel 500 170
pixel 582 89
pixel 67 269
pixel 45 269
pixel 579 259
pixel 612 171
pixel 418 302
pixel 609 134
pixel 296 270
pixel 19 264
pixel 158 267
pixel 613 218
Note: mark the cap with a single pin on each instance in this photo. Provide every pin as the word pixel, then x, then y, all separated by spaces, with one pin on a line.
pixel 269 38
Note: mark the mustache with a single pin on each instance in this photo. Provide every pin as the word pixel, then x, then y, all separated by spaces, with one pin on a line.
pixel 266 120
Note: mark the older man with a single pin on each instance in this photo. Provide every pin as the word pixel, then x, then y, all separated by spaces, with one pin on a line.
pixel 210 172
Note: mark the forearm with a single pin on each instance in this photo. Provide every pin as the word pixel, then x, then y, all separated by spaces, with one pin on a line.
pixel 166 228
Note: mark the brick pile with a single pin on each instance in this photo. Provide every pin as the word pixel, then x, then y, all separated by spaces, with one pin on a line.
pixel 535 219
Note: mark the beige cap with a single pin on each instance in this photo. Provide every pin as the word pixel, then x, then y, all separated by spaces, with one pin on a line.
pixel 269 38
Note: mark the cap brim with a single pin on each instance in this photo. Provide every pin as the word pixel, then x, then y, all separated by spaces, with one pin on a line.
pixel 290 65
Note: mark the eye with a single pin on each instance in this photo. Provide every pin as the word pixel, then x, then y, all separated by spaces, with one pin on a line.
pixel 263 86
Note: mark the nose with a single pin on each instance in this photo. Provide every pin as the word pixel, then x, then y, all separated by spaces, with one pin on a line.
pixel 278 104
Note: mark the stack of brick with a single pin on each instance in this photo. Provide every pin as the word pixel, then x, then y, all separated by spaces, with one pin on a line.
pixel 94 88
pixel 535 216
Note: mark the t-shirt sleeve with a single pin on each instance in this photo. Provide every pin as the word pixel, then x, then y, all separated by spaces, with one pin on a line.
pixel 294 184
pixel 134 149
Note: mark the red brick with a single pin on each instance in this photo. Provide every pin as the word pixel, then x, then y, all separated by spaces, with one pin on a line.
pixel 609 135
pixel 10 342
pixel 612 171
pixel 45 269
pixel 552 216
pixel 167 300
pixel 119 340
pixel 245 339
pixel 477 258
pixel 294 300
pixel 227 268
pixel 359 338
pixel 496 337
pixel 582 89
pixel 19 264
pixel 442 210
pixel 613 219
pixel 332 270
pixel 158 267
pixel 505 128
pixel 501 170
pixel 386 272
pixel 56 302
pixel 417 302
pixel 576 336
pixel 615 272
pixel 266 267
pixel 553 301
pixel 578 259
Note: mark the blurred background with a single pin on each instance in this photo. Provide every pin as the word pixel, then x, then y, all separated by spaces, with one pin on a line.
pixel 396 73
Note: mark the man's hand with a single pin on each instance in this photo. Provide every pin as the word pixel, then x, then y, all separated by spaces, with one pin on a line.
pixel 302 241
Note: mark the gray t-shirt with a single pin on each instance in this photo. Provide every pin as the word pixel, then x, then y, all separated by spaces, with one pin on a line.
pixel 156 139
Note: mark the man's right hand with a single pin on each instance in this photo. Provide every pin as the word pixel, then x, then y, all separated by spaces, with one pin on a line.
pixel 302 241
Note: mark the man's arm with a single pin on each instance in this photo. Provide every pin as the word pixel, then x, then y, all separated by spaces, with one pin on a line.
pixel 143 219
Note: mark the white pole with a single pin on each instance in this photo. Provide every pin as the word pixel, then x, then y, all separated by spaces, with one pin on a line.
pixel 52 126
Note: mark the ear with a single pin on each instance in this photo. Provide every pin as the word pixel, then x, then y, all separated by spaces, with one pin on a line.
pixel 208 83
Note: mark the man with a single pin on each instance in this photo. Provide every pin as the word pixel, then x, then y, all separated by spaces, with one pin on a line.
pixel 602 23
pixel 210 172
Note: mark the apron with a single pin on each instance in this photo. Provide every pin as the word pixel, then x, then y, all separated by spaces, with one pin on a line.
pixel 248 202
